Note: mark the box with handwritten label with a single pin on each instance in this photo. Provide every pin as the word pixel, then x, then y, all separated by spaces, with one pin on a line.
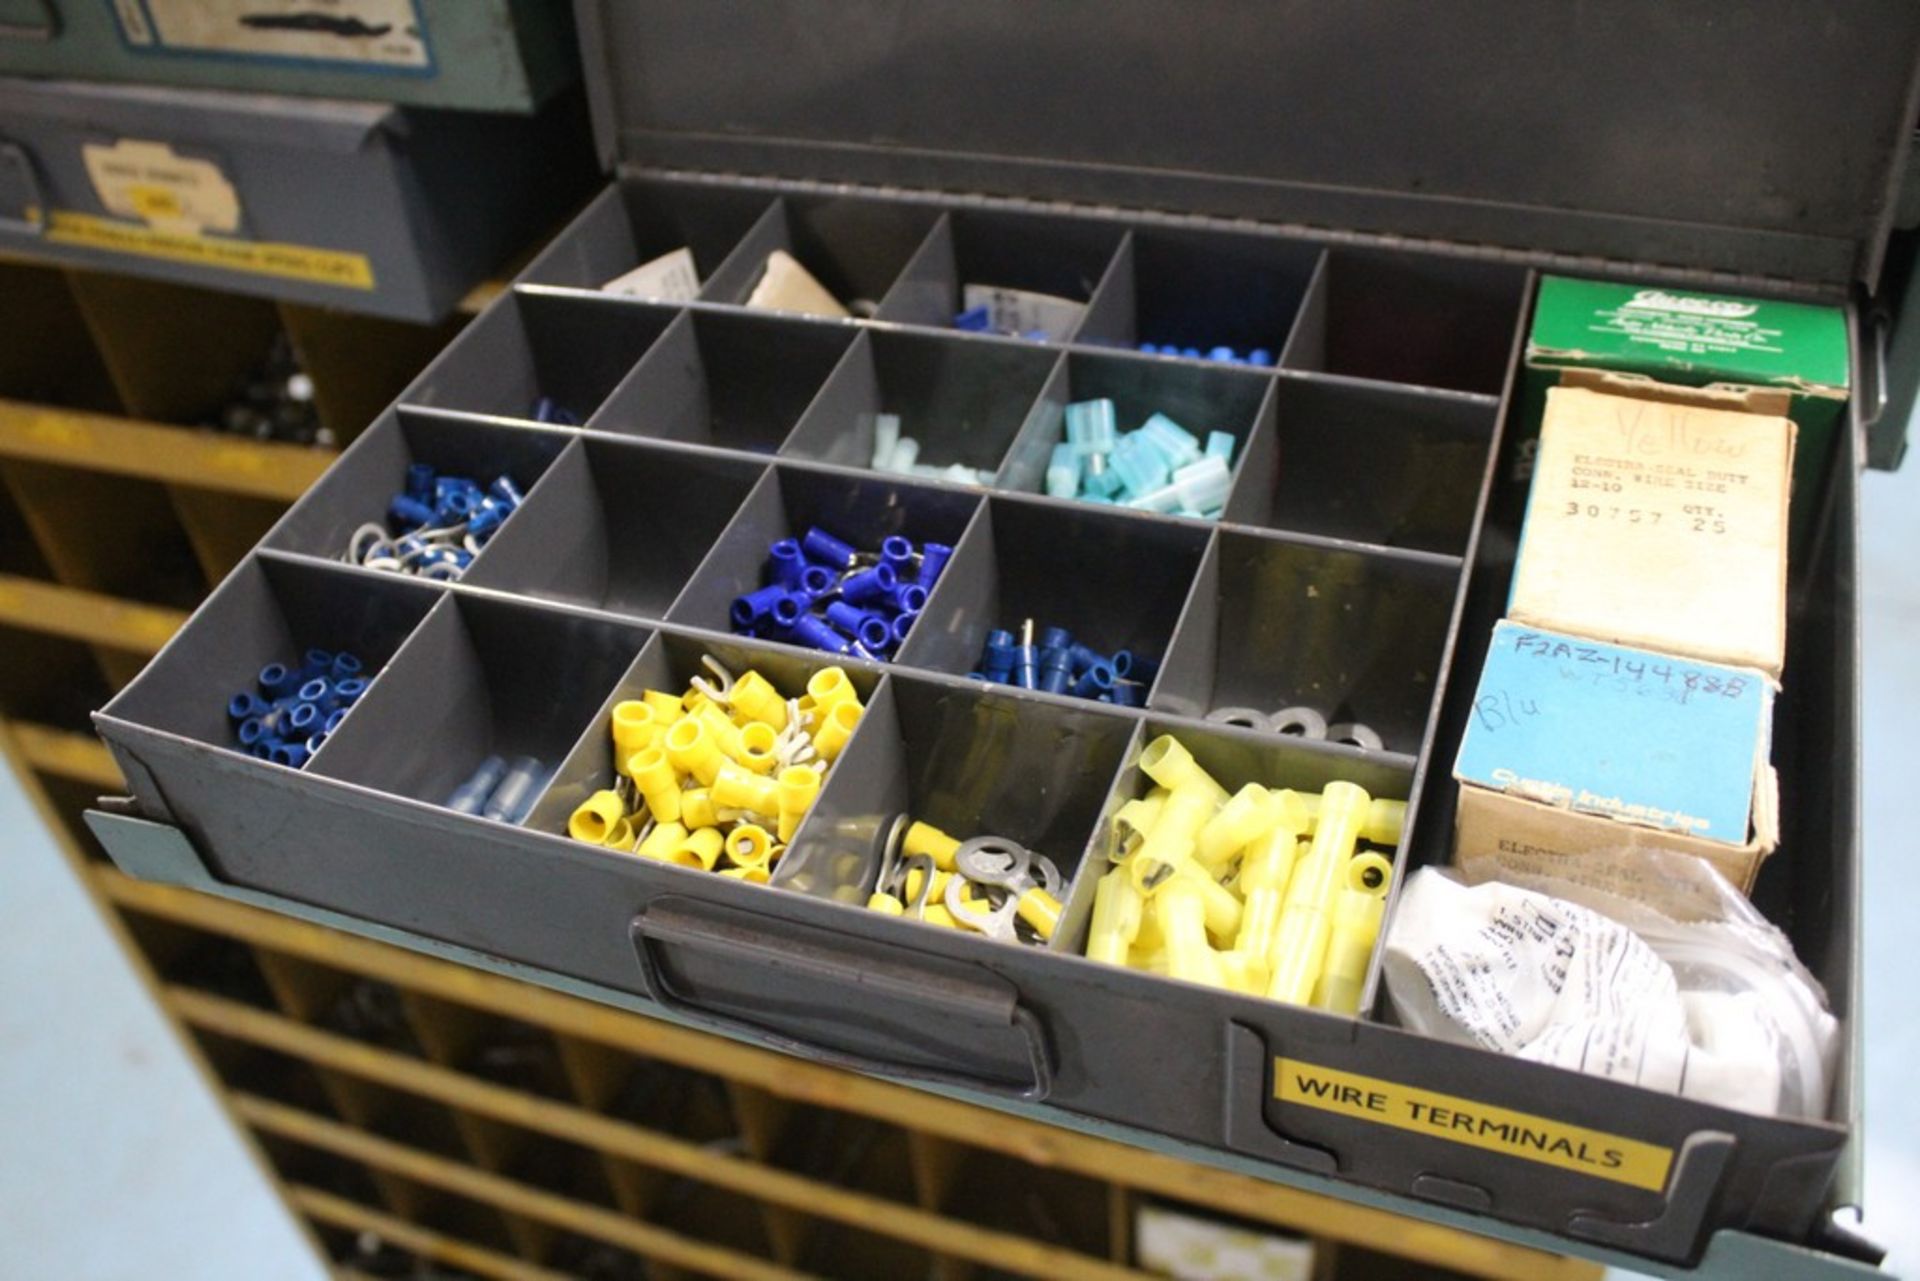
pixel 1575 746
pixel 1659 523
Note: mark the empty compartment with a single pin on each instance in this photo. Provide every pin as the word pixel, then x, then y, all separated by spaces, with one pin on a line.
pixel 544 357
pixel 726 379
pixel 359 489
pixel 618 525
pixel 960 402
pixel 971 761
pixel 482 678
pixel 1330 636
pixel 637 222
pixel 790 501
pixel 1190 292
pixel 1064 258
pixel 1114 581
pixel 854 248
pixel 269 612
pixel 1406 318
pixel 669 663
pixel 1202 399
pixel 1397 466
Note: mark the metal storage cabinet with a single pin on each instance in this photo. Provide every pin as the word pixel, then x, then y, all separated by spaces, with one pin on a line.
pixel 1244 167
pixel 478 55
pixel 358 205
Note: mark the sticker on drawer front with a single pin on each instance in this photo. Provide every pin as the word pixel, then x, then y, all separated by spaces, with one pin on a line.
pixel 167 191
pixel 1540 1139
pixel 373 35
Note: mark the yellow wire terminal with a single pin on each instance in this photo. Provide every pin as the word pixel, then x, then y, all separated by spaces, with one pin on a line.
pixel 831 736
pixel 595 817
pixel 1356 926
pixel 620 835
pixel 755 698
pixel 798 788
pixel 1183 914
pixel 750 845
pixel 1169 764
pixel 1132 822
pixel 827 687
pixel 691 749
pixel 759 747
pixel 1244 816
pixel 1307 920
pixel 1118 907
pixel 700 849
pixel 751 875
pixel 659 786
pixel 662 841
pixel 925 838
pixel 634 727
pixel 666 707
pixel 697 808
pixel 885 904
pixel 741 789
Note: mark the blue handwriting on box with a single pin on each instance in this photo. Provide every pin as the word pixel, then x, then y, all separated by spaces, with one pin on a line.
pixel 1629 733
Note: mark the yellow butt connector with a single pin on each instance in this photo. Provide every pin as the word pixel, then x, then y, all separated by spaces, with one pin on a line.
pixel 1245 815
pixel 925 838
pixel 831 735
pixel 829 687
pixel 1118 908
pixel 697 808
pixel 691 749
pixel 1169 764
pixel 666 707
pixel 751 875
pixel 662 841
pixel 755 698
pixel 700 849
pixel 1307 922
pixel 1356 926
pixel 736 788
pixel 1264 874
pixel 595 817
pixel 1183 915
pixel 659 786
pixel 620 835
pixel 885 904
pixel 750 845
pixel 798 788
pixel 634 727
pixel 1131 823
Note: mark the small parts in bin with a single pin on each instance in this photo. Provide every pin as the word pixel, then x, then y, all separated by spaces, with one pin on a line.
pixel 989 884
pixel 1061 665
pixel 1263 891
pixel 900 455
pixel 825 594
pixel 436 526
pixel 1258 357
pixel 498 791
pixel 719 778
pixel 1159 466
pixel 1300 722
pixel 293 708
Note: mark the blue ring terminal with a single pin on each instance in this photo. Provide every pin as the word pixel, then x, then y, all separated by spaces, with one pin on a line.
pixel 303 716
pixel 785 561
pixel 874 583
pixel 816 581
pixel 277 679
pixel 345 665
pixel 348 691
pixel 1127 693
pixel 824 549
pixel 333 720
pixel 420 477
pixel 900 626
pixel 875 634
pixel 242 707
pixel 787 611
pixel 506 491
pixel 1096 680
pixel 849 618
pixel 933 559
pixel 751 610
pixel 251 731
pixel 908 598
pixel 490 516
pixel 815 634
pixel 897 552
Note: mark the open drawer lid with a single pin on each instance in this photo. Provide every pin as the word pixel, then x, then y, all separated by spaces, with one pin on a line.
pixel 1762 139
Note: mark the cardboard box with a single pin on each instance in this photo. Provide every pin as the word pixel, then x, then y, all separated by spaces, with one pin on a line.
pixel 1576 746
pixel 1659 525
pixel 1787 358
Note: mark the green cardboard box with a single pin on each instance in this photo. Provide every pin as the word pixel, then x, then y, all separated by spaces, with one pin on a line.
pixel 1786 358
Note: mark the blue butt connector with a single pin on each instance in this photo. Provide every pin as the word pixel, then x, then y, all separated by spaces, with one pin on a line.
pixel 471 796
pixel 824 549
pixel 755 607
pixel 814 633
pixel 785 562
pixel 873 584
pixel 1095 681
pixel 933 559
pixel 897 552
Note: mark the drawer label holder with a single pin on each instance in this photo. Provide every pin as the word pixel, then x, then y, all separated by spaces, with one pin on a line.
pixel 1525 1135
pixel 255 257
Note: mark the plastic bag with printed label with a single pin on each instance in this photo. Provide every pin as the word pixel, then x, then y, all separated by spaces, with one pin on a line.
pixel 1700 996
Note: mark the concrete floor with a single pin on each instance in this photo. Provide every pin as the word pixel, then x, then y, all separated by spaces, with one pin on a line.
pixel 116 1164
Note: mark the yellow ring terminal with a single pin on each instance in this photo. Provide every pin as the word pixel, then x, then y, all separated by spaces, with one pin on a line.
pixel 658 785
pixel 1264 874
pixel 1245 815
pixel 1308 919
pixel 936 914
pixel 620 835
pixel 700 849
pixel 742 789
pixel 885 904
pixel 726 735
pixel 925 838
pixel 759 747
pixel 666 707
pixel 1170 764
pixel 1132 822
pixel 634 727
pixel 828 687
pixel 755 698
pixel 662 841
pixel 1356 927
pixel 750 845
pixel 595 817
pixel 751 875
pixel 834 731
pixel 691 749
pixel 798 788
pixel 1118 910
pixel 1183 916
pixel 697 808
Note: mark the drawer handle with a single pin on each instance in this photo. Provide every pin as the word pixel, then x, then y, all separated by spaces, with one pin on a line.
pixel 809 953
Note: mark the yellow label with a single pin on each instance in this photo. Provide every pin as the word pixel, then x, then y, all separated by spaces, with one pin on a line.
pixel 1478 1125
pixel 262 258
pixel 135 178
